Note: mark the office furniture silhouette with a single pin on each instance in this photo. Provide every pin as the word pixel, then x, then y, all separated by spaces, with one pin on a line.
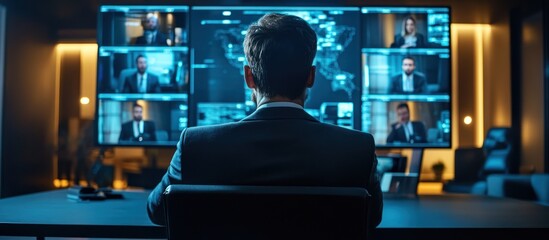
pixel 474 165
pixel 266 212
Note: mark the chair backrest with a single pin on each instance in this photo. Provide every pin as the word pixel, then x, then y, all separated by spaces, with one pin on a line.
pixel 266 212
pixel 468 163
pixel 497 138
pixel 497 149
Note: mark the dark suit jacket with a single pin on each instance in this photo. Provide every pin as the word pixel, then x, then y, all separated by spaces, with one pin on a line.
pixel 126 134
pixel 159 40
pixel 420 84
pixel 130 84
pixel 398 134
pixel 281 146
pixel 399 41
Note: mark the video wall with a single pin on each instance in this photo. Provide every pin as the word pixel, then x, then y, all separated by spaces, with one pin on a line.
pixel 382 70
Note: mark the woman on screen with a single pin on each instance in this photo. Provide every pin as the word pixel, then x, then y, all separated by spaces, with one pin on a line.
pixel 409 38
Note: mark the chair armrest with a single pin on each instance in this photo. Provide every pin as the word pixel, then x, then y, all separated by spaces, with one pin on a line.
pixel 540 184
pixel 511 186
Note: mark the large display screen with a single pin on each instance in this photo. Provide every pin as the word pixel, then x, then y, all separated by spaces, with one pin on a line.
pixel 406 76
pixel 143 75
pixel 382 70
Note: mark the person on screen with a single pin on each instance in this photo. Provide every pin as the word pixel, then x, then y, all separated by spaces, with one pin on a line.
pixel 151 36
pixel 141 81
pixel 409 81
pixel 279 143
pixel 137 130
pixel 406 131
pixel 409 37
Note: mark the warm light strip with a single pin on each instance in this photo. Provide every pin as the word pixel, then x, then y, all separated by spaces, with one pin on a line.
pixel 455 105
pixel 59 49
pixel 58 53
pixel 479 35
pixel 479 70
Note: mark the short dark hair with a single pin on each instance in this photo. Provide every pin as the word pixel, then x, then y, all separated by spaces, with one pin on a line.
pixel 140 56
pixel 408 57
pixel 403 105
pixel 280 50
pixel 136 105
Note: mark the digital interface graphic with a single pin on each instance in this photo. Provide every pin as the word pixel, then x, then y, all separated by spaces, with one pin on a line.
pixel 218 55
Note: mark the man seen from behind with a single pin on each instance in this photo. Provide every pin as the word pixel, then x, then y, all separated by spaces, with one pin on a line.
pixel 279 144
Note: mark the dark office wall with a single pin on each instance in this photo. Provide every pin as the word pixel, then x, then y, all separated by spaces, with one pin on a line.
pixel 529 57
pixel 532 92
pixel 2 51
pixel 546 84
pixel 28 104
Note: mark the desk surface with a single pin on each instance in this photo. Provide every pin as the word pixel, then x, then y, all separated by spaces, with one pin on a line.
pixel 52 214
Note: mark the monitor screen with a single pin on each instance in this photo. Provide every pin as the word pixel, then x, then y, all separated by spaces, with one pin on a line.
pixel 381 70
pixel 406 76
pixel 142 77
pixel 218 88
pixel 400 176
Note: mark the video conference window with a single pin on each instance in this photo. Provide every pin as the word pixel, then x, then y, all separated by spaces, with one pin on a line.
pixel 140 122
pixel 405 27
pixel 141 71
pixel 142 75
pixel 407 124
pixel 218 60
pixel 143 26
pixel 405 76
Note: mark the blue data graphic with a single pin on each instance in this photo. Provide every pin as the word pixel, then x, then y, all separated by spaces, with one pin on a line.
pixel 217 54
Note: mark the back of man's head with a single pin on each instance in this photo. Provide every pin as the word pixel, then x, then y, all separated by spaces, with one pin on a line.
pixel 280 50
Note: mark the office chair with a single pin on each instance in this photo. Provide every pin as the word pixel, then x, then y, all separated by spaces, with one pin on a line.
pixel 266 212
pixel 474 165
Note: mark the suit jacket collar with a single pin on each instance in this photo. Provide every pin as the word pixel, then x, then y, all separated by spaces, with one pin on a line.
pixel 279 113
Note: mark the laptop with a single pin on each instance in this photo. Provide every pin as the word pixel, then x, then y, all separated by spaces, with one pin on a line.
pixel 399 177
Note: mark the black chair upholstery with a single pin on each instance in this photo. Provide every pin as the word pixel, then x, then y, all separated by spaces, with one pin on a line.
pixel 266 212
pixel 473 165
pixel 468 163
pixel 497 149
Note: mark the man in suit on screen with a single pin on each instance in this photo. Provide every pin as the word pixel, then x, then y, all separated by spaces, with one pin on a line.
pixel 141 81
pixel 137 130
pixel 409 81
pixel 279 144
pixel 151 35
pixel 406 131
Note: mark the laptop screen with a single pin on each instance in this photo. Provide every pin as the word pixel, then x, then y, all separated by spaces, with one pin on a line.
pixel 400 176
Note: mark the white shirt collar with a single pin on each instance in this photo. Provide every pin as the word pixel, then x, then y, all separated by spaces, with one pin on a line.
pixel 404 76
pixel 280 104
pixel 137 128
pixel 144 75
pixel 407 82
